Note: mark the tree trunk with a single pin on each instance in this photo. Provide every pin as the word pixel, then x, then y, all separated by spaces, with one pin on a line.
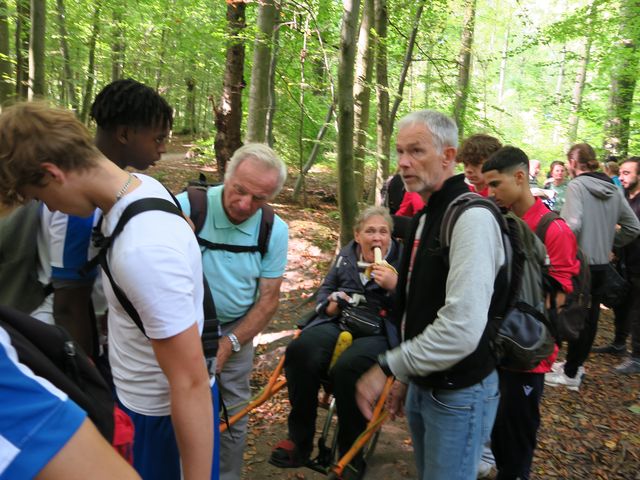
pixel 259 88
pixel 578 89
pixel 346 182
pixel 362 93
pixel 228 112
pixel 557 128
pixel 6 88
pixel 303 55
pixel 503 67
pixel 37 49
pixel 427 83
pixel 23 22
pixel 315 151
pixel 190 120
pixel 406 64
pixel 118 45
pixel 69 82
pixel 623 80
pixel 464 62
pixel 271 111
pixel 91 65
pixel 383 133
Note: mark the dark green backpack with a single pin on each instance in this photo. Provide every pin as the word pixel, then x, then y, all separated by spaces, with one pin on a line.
pixel 19 285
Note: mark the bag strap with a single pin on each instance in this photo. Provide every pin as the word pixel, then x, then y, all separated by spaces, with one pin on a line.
pixel 197 196
pixel 135 208
pixel 544 224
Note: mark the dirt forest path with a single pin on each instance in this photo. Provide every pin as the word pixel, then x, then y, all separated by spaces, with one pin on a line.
pixel 593 434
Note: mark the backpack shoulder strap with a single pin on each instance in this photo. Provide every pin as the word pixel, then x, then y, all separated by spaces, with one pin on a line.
pixel 266 227
pixel 135 208
pixel 197 196
pixel 458 207
pixel 546 220
pixel 264 235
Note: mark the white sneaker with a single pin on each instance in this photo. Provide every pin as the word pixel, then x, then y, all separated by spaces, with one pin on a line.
pixel 557 366
pixel 485 469
pixel 555 379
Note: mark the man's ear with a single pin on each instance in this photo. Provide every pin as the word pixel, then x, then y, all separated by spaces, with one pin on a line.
pixel 122 134
pixel 449 156
pixel 521 176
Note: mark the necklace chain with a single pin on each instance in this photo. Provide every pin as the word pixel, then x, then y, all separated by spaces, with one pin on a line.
pixel 124 188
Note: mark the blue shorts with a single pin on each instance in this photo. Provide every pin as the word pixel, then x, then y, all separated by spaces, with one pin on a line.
pixel 155 451
pixel 36 419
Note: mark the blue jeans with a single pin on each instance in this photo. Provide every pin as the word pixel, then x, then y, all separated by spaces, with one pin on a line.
pixel 449 427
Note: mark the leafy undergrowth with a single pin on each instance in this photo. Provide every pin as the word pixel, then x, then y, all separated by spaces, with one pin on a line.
pixel 591 434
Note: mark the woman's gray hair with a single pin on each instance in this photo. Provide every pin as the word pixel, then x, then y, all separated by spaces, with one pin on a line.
pixel 373 211
pixel 264 155
pixel 443 128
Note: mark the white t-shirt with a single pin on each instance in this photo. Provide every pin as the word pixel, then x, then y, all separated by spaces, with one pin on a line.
pixel 156 261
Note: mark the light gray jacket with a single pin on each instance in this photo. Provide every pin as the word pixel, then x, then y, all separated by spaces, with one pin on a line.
pixel 592 209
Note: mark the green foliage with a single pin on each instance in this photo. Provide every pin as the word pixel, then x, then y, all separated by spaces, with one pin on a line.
pixel 170 41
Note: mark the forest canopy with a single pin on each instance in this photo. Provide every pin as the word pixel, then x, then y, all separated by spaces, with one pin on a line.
pixel 537 74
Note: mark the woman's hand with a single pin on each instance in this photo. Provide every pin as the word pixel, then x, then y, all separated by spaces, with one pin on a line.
pixel 384 277
pixel 335 301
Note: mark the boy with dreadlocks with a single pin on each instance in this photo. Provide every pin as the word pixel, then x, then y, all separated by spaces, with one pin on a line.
pixel 133 122
pixel 161 378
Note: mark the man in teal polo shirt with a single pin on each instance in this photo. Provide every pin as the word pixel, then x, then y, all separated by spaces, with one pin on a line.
pixel 245 285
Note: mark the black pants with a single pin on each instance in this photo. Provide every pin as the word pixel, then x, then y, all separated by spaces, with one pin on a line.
pixel 627 320
pixel 306 364
pixel 513 439
pixel 578 350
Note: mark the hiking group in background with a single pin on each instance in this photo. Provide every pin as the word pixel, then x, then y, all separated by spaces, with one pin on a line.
pixel 468 312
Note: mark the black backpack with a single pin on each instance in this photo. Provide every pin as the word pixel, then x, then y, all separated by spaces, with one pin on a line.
pixel 197 195
pixel 569 322
pixel 51 353
pixel 519 331
pixel 211 327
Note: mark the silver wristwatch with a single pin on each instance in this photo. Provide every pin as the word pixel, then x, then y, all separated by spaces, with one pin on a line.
pixel 235 344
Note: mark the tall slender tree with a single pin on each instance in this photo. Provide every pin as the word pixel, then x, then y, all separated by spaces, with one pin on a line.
pixel 118 43
pixel 383 133
pixel 68 77
pixel 6 85
pixel 259 87
pixel 37 42
pixel 23 26
pixel 624 75
pixel 579 82
pixel 362 92
pixel 346 181
pixel 228 112
pixel 464 65
pixel 87 97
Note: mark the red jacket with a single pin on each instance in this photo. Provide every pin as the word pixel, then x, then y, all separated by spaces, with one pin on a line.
pixel 562 248
pixel 411 204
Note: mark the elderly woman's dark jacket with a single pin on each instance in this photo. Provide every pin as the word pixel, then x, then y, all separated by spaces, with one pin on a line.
pixel 344 276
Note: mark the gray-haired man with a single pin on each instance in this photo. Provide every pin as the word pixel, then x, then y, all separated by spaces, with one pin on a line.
pixel 245 284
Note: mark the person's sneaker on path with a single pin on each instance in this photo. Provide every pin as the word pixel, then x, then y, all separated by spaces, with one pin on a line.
pixel 559 378
pixel 629 367
pixel 612 349
pixel 487 462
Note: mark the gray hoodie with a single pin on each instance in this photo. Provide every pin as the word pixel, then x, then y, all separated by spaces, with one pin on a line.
pixel 592 209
